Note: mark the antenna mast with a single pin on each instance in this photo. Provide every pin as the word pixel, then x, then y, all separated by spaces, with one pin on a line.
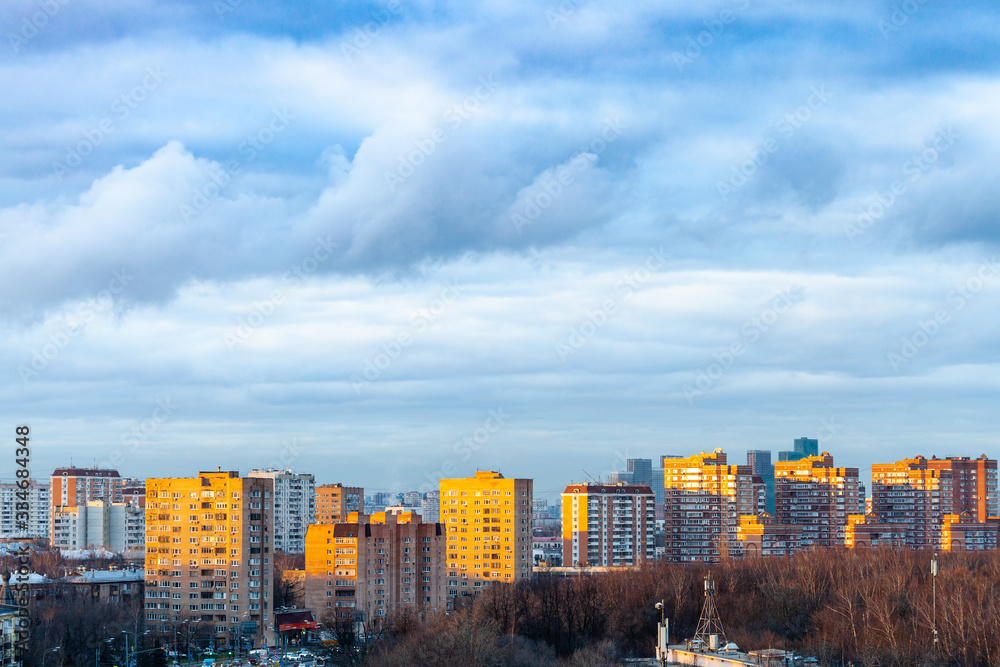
pixel 710 624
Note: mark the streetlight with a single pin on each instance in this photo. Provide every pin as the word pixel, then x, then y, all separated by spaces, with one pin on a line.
pixel 135 644
pixel 662 633
pixel 934 601
pixel 45 654
pixel 97 651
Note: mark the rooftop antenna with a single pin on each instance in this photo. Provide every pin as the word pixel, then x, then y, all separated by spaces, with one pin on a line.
pixel 710 630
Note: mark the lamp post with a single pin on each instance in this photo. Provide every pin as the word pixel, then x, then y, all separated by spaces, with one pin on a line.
pixel 135 644
pixel 934 603
pixel 97 651
pixel 45 654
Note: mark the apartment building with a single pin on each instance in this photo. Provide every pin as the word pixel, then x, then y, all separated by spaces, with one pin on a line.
pixel 870 530
pixel 209 550
pixel 962 532
pixel 704 498
pixel 759 461
pixel 762 535
pixel 370 565
pixel 430 507
pixel 73 487
pixel 608 524
pixel 911 494
pixel 973 484
pixel 99 524
pixel 488 521
pixel 335 501
pixel 35 500
pixel 816 495
pixel 294 507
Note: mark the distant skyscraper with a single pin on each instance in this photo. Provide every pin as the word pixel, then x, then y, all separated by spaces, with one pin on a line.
pixel 759 461
pixel 641 469
pixel 803 447
pixel 620 477
pixel 294 507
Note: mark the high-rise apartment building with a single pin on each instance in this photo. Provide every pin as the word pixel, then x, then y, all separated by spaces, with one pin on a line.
pixel 209 554
pixel 430 507
pixel 370 565
pixel 608 524
pixel 759 461
pixel 335 501
pixel 621 477
pixel 72 487
pixel 814 494
pixel 704 498
pixel 294 507
pixel 973 483
pixel 35 500
pixel 100 525
pixel 914 496
pixel 488 519
pixel 801 448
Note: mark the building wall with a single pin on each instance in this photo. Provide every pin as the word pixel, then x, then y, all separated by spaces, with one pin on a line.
pixel 488 520
pixel 908 493
pixel 974 485
pixel 209 552
pixel 72 487
pixel 608 525
pixel 371 565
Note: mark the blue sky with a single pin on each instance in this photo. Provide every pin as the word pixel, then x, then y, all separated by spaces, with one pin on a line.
pixel 336 236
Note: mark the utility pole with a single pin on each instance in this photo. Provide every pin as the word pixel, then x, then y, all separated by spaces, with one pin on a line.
pixel 934 604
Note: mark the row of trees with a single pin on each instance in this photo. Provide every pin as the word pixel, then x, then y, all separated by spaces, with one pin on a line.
pixel 866 607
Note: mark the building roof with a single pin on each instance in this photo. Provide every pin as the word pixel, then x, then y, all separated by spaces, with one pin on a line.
pixel 104 576
pixel 587 487
pixel 84 472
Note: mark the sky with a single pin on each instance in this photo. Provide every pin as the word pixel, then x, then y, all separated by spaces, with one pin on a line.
pixel 388 242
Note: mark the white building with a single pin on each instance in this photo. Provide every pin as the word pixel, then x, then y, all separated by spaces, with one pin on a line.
pixel 116 527
pixel 294 507
pixel 39 500
pixel 430 507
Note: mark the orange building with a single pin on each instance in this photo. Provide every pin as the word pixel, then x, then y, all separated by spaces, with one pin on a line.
pixel 208 554
pixel 335 501
pixel 488 519
pixel 703 500
pixel 369 565
pixel 961 532
pixel 762 535
pixel 912 495
pixel 608 524
pixel 814 494
pixel 870 530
